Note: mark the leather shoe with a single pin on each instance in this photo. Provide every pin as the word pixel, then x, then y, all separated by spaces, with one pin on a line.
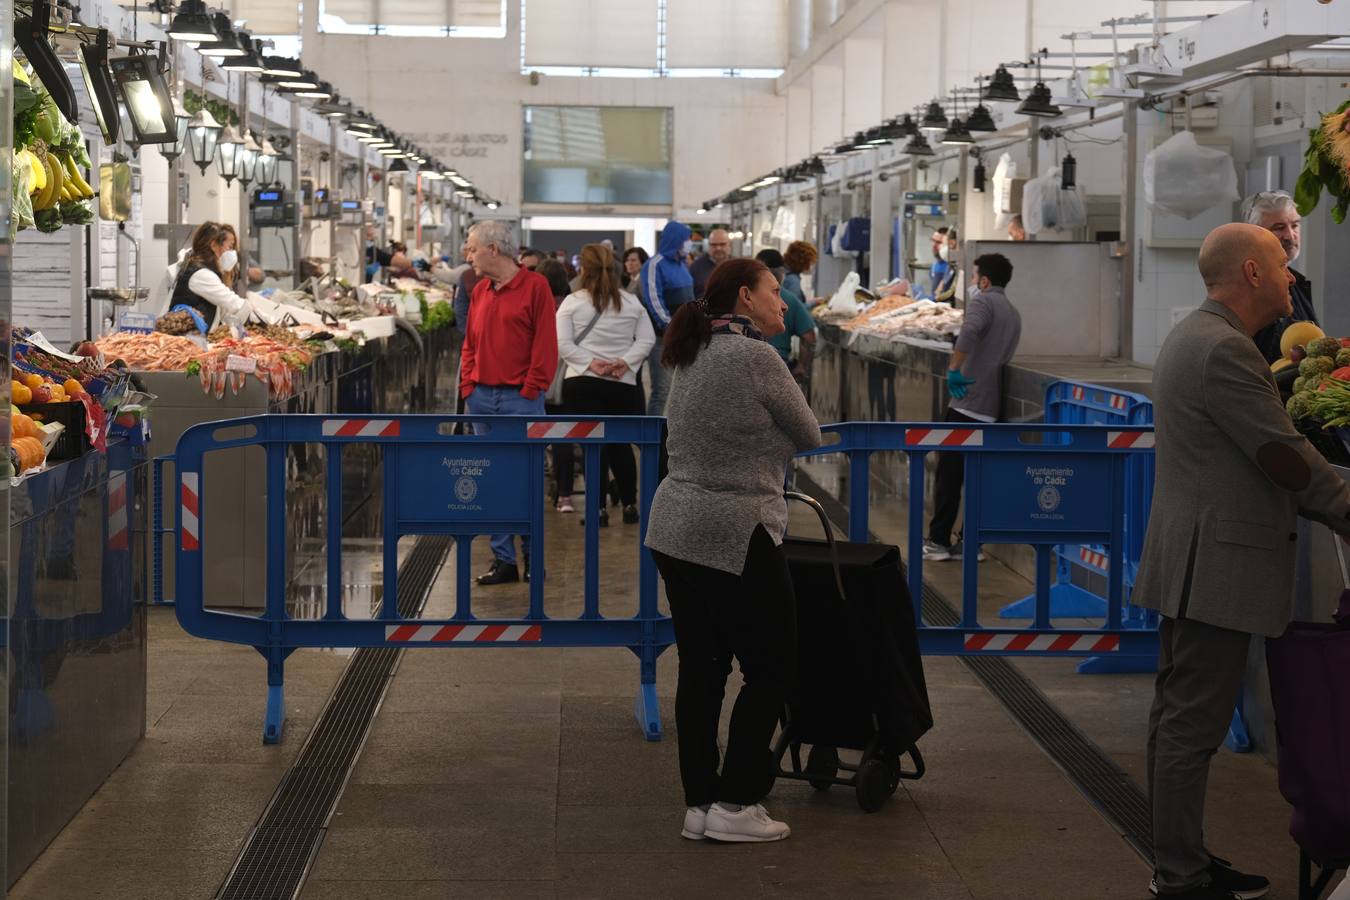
pixel 502 572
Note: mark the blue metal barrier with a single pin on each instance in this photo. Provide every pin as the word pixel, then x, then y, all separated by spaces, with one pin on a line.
pixel 1079 403
pixel 435 483
pixel 1025 484
pixel 158 531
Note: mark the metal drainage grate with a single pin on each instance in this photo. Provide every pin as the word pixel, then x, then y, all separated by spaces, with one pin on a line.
pixel 282 845
pixel 1105 785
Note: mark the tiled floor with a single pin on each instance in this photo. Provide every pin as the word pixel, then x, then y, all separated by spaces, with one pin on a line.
pixel 500 773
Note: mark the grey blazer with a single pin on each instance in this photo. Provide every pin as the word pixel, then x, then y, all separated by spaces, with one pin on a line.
pixel 1232 477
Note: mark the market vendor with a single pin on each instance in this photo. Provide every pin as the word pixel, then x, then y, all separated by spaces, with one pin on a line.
pixel 201 280
pixel 1276 212
pixel 375 257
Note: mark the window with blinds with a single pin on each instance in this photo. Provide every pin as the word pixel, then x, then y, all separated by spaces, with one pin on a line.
pixel 266 17
pixel 607 155
pixel 747 34
pixel 466 18
pixel 591 33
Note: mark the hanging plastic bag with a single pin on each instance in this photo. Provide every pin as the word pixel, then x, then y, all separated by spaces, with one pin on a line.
pixel 1185 179
pixel 1046 205
pixel 843 300
pixel 1004 173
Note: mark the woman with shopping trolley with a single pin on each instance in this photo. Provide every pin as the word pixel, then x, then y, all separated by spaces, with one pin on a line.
pixel 736 419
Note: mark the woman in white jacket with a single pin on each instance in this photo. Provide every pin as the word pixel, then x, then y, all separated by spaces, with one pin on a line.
pixel 200 280
pixel 604 335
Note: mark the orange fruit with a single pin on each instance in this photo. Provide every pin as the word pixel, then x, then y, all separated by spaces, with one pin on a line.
pixel 72 386
pixel 20 393
pixel 33 380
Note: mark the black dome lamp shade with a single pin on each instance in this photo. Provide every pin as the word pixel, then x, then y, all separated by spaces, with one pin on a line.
pixel 918 146
pixel 1002 87
pixel 815 166
pixel 1039 103
pixel 227 43
pixel 934 119
pixel 981 119
pixel 191 23
pixel 957 134
pixel 31 36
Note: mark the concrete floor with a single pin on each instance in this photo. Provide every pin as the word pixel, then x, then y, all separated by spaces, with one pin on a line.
pixel 520 773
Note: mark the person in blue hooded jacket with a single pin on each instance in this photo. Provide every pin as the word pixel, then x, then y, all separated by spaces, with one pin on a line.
pixel 665 284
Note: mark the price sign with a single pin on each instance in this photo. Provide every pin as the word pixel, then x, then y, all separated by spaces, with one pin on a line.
pixel 138 323
pixel 244 364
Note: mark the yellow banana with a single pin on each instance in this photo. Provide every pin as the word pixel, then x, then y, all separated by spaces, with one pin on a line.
pixel 40 200
pixel 80 185
pixel 37 178
pixel 68 193
pixel 54 168
pixel 19 73
pixel 52 192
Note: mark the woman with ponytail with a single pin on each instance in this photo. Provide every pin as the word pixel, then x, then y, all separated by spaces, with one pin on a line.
pixel 736 419
pixel 604 335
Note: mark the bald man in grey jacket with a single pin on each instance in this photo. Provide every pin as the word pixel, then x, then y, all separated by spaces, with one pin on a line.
pixel 1233 475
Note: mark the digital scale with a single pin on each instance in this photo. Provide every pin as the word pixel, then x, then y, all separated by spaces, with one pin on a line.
pixel 273 208
pixel 928 204
pixel 352 212
pixel 325 204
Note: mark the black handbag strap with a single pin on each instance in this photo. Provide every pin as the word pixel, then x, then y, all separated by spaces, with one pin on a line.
pixel 829 534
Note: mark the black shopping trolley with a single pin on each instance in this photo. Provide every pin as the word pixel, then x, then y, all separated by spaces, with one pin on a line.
pixel 860 683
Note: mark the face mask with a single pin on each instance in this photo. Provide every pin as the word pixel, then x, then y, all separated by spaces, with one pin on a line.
pixel 228 260
pixel 944 252
pixel 972 292
pixel 686 248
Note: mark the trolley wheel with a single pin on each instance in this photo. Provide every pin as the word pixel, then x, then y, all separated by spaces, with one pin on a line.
pixel 824 763
pixel 874 785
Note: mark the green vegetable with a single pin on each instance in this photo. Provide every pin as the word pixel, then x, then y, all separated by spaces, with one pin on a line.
pixel 1316 367
pixel 1300 385
pixel 436 316
pixel 1343 358
pixel 26 109
pixel 49 220
pixel 21 214
pixel 77 212
pixel 194 367
pixel 1300 406
pixel 1323 170
pixel 1326 346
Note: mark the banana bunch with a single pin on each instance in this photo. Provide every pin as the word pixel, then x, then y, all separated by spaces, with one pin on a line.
pixel 37 179
pixel 64 182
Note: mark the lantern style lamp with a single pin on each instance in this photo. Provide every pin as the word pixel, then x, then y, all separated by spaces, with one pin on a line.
pixel 247 160
pixel 171 150
pixel 267 163
pixel 203 134
pixel 227 154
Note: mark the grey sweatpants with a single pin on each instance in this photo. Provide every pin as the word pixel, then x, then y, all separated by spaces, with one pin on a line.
pixel 1200 669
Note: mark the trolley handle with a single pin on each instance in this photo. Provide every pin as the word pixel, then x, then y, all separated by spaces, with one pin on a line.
pixel 829 534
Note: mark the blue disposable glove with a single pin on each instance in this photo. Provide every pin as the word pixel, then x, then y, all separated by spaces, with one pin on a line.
pixel 957 383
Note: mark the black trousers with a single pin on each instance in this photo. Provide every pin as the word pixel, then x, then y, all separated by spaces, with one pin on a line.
pixel 584 395
pixel 948 480
pixel 718 616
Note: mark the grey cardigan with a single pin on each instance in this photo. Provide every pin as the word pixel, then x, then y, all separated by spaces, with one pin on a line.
pixel 736 419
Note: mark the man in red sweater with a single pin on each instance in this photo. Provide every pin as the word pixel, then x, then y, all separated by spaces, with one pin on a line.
pixel 510 353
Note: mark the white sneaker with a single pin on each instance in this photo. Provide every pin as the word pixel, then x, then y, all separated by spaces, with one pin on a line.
pixel 748 824
pixel 695 822
pixel 565 505
pixel 935 552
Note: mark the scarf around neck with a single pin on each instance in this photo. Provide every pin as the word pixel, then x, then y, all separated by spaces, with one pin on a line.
pixel 734 324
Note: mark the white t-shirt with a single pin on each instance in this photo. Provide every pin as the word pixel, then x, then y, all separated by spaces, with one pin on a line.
pixel 626 334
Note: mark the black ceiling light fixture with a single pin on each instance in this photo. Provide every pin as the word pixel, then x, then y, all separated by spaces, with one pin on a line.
pixel 227 43
pixel 918 146
pixel 957 133
pixel 140 77
pixel 934 119
pixel 31 36
pixel 814 166
pixel 980 177
pixel 1039 103
pixel 981 119
pixel 1001 87
pixel 250 60
pixel 1069 172
pixel 98 84
pixel 282 67
pixel 191 23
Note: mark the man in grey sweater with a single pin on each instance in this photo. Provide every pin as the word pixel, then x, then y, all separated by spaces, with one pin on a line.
pixel 989 335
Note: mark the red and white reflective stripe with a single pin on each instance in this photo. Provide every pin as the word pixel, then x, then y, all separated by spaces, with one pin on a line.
pixel 1095 559
pixel 463 634
pixel 1118 401
pixel 1124 440
pixel 564 430
pixel 1078 393
pixel 360 428
pixel 1055 643
pixel 189 511
pixel 944 437
pixel 117 512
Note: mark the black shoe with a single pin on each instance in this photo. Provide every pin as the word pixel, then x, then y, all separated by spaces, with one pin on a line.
pixel 1209 891
pixel 502 572
pixel 1225 882
pixel 630 515
pixel 604 519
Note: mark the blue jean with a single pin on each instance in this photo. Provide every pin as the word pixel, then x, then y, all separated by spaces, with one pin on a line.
pixel 503 401
pixel 658 376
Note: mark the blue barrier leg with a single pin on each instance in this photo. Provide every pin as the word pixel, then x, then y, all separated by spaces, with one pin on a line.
pixel 646 707
pixel 1238 740
pixel 1067 600
pixel 275 717
pixel 1118 665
